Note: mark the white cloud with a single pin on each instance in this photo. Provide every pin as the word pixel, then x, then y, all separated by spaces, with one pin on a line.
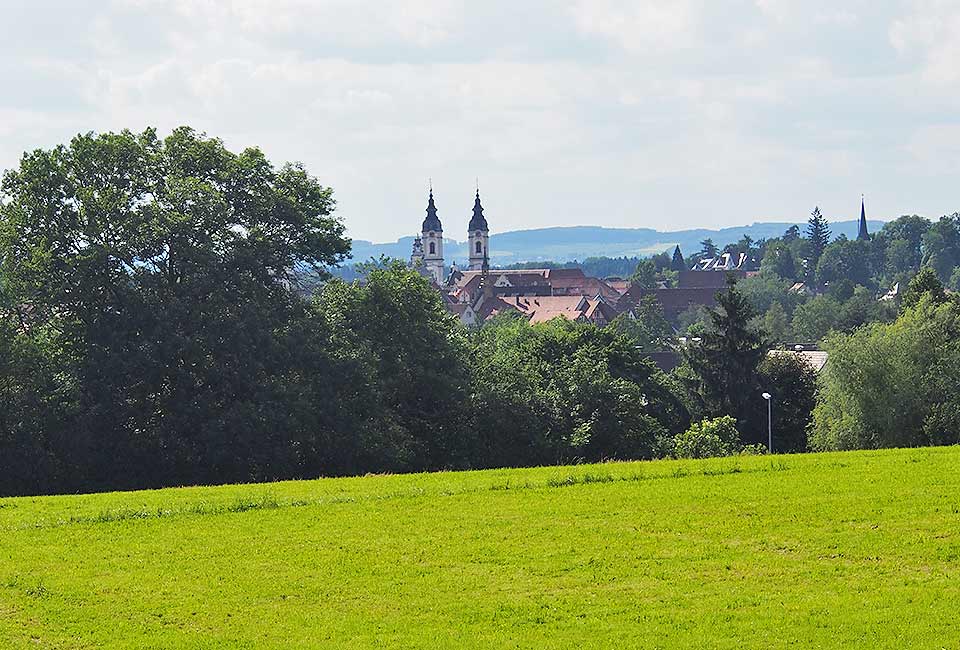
pixel 420 22
pixel 649 26
pixel 931 31
pixel 646 113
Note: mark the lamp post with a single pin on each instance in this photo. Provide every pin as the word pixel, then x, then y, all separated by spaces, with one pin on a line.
pixel 769 398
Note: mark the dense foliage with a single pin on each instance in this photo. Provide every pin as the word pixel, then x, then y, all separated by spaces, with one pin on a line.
pixel 146 282
pixel 792 384
pixel 809 285
pixel 710 438
pixel 893 384
pixel 153 332
pixel 562 391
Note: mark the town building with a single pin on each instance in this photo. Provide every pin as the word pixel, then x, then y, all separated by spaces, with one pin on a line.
pixel 538 309
pixel 479 293
pixel 809 354
pixel 465 285
pixel 478 236
pixel 431 243
pixel 696 286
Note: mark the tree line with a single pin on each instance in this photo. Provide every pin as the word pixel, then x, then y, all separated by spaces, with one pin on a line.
pixel 810 283
pixel 846 283
pixel 153 333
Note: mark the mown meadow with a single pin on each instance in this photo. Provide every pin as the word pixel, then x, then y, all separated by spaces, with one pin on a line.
pixel 853 549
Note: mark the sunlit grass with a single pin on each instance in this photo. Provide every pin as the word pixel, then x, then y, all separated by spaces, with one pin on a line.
pixel 831 550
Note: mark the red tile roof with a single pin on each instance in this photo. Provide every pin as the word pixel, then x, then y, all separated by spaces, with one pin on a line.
pixel 536 282
pixel 540 309
pixel 673 300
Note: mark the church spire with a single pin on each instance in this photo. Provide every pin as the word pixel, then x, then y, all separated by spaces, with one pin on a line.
pixel 477 221
pixel 432 222
pixel 677 263
pixel 863 235
pixel 478 237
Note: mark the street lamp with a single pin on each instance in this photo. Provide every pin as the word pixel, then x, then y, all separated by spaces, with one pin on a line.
pixel 769 398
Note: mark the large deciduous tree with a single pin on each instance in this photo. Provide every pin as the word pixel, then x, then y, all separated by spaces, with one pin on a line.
pixel 164 269
pixel 646 327
pixel 941 246
pixel 923 283
pixel 847 260
pixel 892 384
pixel 419 354
pixel 562 391
pixel 792 383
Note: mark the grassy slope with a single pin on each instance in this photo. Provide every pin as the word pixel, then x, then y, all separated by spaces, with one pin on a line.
pixel 834 550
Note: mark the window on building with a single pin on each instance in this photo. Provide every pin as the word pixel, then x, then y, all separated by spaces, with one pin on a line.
pixel 433 248
pixel 479 249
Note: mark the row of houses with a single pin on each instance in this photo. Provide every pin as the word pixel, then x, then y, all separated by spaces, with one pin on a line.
pixel 540 295
pixel 543 294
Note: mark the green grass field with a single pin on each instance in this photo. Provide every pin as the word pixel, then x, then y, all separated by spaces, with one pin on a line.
pixel 846 550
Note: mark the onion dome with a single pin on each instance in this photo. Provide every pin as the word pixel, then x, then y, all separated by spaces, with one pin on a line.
pixel 477 222
pixel 432 222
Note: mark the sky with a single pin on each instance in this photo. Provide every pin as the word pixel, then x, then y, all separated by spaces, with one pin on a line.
pixel 665 114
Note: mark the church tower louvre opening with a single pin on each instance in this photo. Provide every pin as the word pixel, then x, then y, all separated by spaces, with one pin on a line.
pixel 478 236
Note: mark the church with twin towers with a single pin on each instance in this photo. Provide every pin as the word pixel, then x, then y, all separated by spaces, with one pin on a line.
pixel 428 246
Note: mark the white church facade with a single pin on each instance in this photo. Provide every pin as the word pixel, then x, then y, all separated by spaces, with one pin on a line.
pixel 428 246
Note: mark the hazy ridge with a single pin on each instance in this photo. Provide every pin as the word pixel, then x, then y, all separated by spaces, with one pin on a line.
pixel 563 244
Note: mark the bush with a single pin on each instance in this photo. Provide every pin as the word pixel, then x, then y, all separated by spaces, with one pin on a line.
pixel 892 384
pixel 708 439
pixel 753 450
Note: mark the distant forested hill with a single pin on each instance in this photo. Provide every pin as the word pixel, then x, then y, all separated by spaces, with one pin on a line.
pixel 581 242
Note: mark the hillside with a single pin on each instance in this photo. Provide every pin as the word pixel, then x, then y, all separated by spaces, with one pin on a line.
pixel 581 242
pixel 835 550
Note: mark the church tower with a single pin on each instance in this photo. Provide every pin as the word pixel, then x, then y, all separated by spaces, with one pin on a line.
pixel 478 237
pixel 863 235
pixel 432 242
pixel 416 257
pixel 677 263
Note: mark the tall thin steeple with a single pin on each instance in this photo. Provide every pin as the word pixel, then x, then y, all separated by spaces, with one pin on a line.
pixel 677 263
pixel 863 235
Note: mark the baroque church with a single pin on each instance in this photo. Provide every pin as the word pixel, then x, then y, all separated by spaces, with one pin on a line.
pixel 478 293
pixel 428 246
